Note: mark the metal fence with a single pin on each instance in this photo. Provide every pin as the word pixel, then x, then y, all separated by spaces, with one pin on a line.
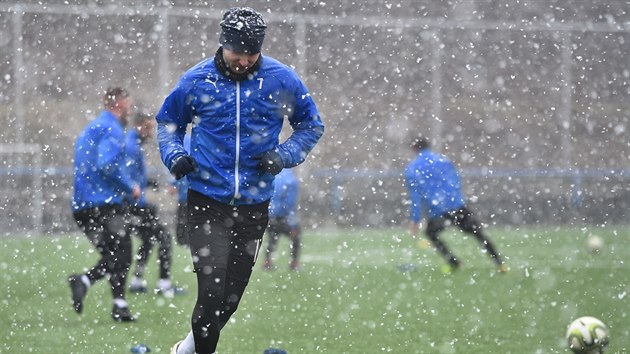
pixel 333 198
pixel 524 87
pixel 499 197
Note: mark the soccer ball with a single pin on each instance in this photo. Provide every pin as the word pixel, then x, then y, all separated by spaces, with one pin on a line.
pixel 587 335
pixel 595 243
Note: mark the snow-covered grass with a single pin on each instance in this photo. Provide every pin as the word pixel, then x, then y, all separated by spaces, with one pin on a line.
pixel 350 296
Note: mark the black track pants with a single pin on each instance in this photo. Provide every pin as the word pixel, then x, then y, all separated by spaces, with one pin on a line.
pixel 108 230
pixel 465 221
pixel 224 244
pixel 151 231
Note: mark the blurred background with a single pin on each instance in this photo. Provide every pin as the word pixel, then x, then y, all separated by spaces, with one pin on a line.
pixel 530 99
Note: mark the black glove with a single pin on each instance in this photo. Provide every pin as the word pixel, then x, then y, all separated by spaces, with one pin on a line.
pixel 270 162
pixel 183 165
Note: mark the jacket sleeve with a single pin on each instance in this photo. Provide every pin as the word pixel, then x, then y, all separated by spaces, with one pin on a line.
pixel 112 162
pixel 307 128
pixel 172 119
pixel 415 194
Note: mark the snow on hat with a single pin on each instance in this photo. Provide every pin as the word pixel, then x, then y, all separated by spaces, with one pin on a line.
pixel 242 30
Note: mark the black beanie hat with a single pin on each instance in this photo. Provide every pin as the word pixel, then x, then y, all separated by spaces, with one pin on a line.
pixel 242 30
pixel 420 143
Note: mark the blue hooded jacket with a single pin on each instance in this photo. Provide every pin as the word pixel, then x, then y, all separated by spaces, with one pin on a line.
pixel 100 176
pixel 283 203
pixel 233 123
pixel 136 166
pixel 433 185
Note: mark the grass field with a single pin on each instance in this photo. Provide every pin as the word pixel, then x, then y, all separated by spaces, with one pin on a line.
pixel 350 296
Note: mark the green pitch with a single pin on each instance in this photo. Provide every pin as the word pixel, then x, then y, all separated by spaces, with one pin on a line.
pixel 359 291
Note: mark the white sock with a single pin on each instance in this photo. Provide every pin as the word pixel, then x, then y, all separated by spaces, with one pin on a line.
pixel 86 280
pixel 188 345
pixel 119 302
pixel 137 282
pixel 164 284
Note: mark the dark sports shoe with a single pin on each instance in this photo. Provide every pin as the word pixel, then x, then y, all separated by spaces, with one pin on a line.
pixel 274 351
pixel 122 314
pixel 138 289
pixel 450 268
pixel 79 290
pixel 170 292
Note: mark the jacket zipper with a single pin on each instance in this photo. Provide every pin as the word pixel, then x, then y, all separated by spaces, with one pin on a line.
pixel 238 141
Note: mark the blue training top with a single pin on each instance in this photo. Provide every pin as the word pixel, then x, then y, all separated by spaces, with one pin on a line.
pixel 433 184
pixel 100 176
pixel 136 166
pixel 283 203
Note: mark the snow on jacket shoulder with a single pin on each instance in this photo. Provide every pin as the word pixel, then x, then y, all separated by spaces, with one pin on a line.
pixel 233 123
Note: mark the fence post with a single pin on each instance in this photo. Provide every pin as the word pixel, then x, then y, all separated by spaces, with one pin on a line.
pixel 18 77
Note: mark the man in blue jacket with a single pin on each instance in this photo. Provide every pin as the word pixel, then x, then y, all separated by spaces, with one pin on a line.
pixel 434 187
pixel 101 183
pixel 237 103
pixel 283 218
pixel 144 216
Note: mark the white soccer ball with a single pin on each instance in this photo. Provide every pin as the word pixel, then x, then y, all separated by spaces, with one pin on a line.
pixel 587 335
pixel 595 243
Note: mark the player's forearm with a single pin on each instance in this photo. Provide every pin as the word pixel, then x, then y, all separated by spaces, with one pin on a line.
pixel 171 144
